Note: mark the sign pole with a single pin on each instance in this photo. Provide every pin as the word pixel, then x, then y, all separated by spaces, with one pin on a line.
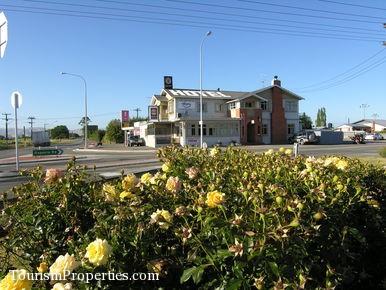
pixel 16 101
pixel 16 138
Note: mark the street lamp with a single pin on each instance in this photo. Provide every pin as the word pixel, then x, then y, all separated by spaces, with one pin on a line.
pixel 85 105
pixel 201 121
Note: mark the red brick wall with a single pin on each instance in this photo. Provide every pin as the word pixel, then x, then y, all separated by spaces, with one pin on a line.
pixel 278 122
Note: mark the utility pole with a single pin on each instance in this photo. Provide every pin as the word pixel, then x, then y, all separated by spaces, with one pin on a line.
pixel 364 107
pixel 137 110
pixel 31 122
pixel 6 126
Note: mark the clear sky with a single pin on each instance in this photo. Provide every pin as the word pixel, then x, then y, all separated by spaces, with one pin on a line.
pixel 329 52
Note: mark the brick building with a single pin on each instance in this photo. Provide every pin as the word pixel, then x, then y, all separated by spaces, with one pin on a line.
pixel 265 116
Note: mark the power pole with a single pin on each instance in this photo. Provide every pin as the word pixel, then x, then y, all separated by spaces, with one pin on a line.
pixel 31 122
pixel 6 126
pixel 364 107
pixel 137 110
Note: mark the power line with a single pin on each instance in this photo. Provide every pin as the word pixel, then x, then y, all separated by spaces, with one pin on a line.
pixel 269 11
pixel 354 5
pixel 344 73
pixel 311 9
pixel 164 21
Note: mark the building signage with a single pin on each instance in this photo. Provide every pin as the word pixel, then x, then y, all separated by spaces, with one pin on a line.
pixel 125 116
pixel 153 113
pixel 189 93
pixel 186 105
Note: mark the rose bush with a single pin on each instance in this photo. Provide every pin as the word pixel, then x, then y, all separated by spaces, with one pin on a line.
pixel 220 218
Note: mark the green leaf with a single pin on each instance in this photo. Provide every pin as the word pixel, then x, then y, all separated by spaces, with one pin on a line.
pixel 234 284
pixel 197 275
pixel 187 274
pixel 275 269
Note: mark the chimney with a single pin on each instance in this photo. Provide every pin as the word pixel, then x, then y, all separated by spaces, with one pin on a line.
pixel 276 81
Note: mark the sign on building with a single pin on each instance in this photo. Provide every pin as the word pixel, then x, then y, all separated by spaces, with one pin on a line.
pixel 153 113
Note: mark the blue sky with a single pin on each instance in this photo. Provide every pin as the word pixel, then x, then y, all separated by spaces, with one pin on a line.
pixel 329 52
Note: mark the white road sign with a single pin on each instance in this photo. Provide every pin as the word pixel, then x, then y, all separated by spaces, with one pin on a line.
pixel 3 33
pixel 16 100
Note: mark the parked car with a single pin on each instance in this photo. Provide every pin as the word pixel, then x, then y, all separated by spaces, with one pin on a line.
pixel 304 137
pixel 135 141
pixel 375 136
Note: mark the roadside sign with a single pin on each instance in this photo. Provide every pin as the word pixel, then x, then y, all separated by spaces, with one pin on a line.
pixel 3 33
pixel 16 100
pixel 44 152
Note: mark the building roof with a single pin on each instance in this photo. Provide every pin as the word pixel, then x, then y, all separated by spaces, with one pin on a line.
pixel 223 95
pixel 366 121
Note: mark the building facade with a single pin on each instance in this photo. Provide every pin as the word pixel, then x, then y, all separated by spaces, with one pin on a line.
pixel 265 116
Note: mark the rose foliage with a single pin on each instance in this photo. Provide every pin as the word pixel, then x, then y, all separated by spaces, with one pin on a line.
pixel 210 219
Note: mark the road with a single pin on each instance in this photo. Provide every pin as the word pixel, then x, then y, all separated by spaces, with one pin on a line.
pixel 111 159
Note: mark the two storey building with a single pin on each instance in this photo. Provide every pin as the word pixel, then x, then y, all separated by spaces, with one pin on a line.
pixel 265 116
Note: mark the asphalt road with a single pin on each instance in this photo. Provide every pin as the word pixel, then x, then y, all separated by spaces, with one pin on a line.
pixel 111 159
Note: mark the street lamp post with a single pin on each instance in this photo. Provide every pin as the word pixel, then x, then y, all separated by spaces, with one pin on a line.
pixel 85 105
pixel 201 121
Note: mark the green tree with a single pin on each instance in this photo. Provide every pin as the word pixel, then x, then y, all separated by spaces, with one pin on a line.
pixel 60 132
pixel 98 135
pixel 321 118
pixel 114 131
pixel 306 121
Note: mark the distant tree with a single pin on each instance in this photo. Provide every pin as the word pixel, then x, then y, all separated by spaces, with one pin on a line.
pixel 74 136
pixel 60 132
pixel 114 131
pixel 321 118
pixel 98 135
pixel 132 120
pixel 305 121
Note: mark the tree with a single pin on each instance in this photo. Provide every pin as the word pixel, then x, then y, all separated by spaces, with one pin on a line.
pixel 98 135
pixel 305 121
pixel 60 132
pixel 321 118
pixel 114 131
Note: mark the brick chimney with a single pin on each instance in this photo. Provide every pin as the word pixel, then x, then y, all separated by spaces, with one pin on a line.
pixel 278 121
pixel 276 81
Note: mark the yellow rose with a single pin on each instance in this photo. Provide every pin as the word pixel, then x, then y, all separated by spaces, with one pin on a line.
pixel 288 152
pixel 162 217
pixel 129 182
pixel 42 267
pixel 214 151
pixel 125 194
pixel 173 184
pixel 214 198
pixel 16 280
pixel 341 164
pixel 269 152
pixel 146 178
pixel 61 286
pixel 98 252
pixel 109 191
pixel 63 265
pixel 166 167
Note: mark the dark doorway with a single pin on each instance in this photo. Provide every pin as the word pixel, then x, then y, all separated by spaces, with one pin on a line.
pixel 251 133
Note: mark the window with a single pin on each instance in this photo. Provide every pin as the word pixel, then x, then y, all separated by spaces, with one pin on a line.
pixel 264 105
pixel 212 131
pixel 170 106
pixel 291 129
pixel 232 106
pixel 218 107
pixel 291 106
pixel 249 104
pixel 193 130
pixel 204 107
pixel 264 129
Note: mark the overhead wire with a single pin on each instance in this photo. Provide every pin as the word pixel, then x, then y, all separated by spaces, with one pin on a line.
pixel 351 74
pixel 158 20
pixel 353 5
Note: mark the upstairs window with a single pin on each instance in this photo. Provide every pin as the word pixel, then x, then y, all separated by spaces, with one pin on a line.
pixel 264 105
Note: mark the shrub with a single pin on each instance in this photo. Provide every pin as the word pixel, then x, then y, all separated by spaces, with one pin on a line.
pixel 220 218
pixel 382 152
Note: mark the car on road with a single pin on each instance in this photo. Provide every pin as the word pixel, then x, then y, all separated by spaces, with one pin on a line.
pixel 374 136
pixel 304 137
pixel 135 141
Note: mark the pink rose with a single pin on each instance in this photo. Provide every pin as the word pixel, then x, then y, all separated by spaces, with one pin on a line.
pixel 52 175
